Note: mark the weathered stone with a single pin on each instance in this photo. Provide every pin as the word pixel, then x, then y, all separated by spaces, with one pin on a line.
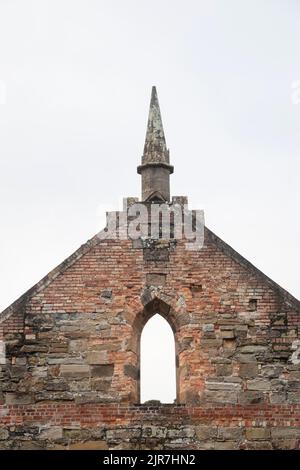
pixel 293 385
pixel 293 397
pixel 285 432
pixel 108 346
pixel 53 433
pixel 88 445
pixel 259 384
pixel 229 344
pixel 100 385
pixel 106 293
pixel 76 371
pixel 207 445
pixel 106 370
pixel 226 445
pixel 21 361
pixel 155 279
pixel 211 343
pixel 234 433
pixel 250 397
pixel 4 434
pixel 181 432
pixel 277 398
pixel 248 370
pixel 223 369
pixel 253 349
pixel 17 371
pixel 221 396
pixel 156 254
pixel 245 358
pixel 255 434
pixel 159 432
pixel 227 334
pixel 18 399
pixel 78 345
pixel 72 342
pixel 59 347
pixel 271 371
pixel 31 445
pixel 95 397
pixel 53 396
pixel 83 385
pixel 34 348
pixel 56 385
pixel 131 371
pixel 259 445
pixel 222 386
pixel 97 357
pixel 204 432
pixel 63 359
pixel 208 328
pixel 285 444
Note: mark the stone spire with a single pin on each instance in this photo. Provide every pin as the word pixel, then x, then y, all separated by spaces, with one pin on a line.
pixel 155 168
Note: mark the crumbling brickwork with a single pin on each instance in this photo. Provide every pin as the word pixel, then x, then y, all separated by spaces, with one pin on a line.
pixel 110 426
pixel 71 372
pixel 235 334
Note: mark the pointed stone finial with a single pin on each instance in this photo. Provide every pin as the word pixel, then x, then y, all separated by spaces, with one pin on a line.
pixel 155 168
pixel 155 149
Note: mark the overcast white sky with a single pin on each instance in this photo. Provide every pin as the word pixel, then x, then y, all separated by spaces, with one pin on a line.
pixel 75 83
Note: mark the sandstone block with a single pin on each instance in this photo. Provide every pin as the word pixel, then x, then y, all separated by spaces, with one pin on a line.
pixel 131 371
pixel 4 434
pixel 208 328
pixel 74 371
pixel 285 444
pixel 100 385
pixel 78 345
pixel 253 349
pixel 285 432
pixel 106 370
pixel 52 433
pixel 204 432
pixel 259 445
pixel 227 433
pixel 250 397
pixel 155 279
pixel 248 370
pixel 257 433
pixel 259 384
pixel 57 385
pixel 222 386
pixel 18 399
pixel 88 445
pixel 293 397
pixel 227 334
pixel 218 396
pixel 277 398
pixel 223 369
pixel 97 357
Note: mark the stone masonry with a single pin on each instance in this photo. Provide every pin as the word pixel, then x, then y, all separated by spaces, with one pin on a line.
pixel 70 362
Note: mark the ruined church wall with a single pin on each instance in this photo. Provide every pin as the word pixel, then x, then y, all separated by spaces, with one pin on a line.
pixel 75 344
pixel 94 426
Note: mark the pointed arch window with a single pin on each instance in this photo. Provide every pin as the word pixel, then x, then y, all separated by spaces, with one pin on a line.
pixel 158 361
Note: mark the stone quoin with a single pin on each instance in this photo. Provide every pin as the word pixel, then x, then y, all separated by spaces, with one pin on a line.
pixel 70 346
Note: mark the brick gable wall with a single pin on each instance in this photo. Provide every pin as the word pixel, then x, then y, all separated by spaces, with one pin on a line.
pixel 75 344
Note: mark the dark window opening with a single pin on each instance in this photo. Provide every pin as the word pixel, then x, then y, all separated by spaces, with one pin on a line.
pixel 253 305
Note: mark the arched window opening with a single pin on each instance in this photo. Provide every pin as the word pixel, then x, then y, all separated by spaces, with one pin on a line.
pixel 158 363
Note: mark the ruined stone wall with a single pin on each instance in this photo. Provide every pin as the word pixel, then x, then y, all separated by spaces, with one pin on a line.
pixel 75 341
pixel 70 426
